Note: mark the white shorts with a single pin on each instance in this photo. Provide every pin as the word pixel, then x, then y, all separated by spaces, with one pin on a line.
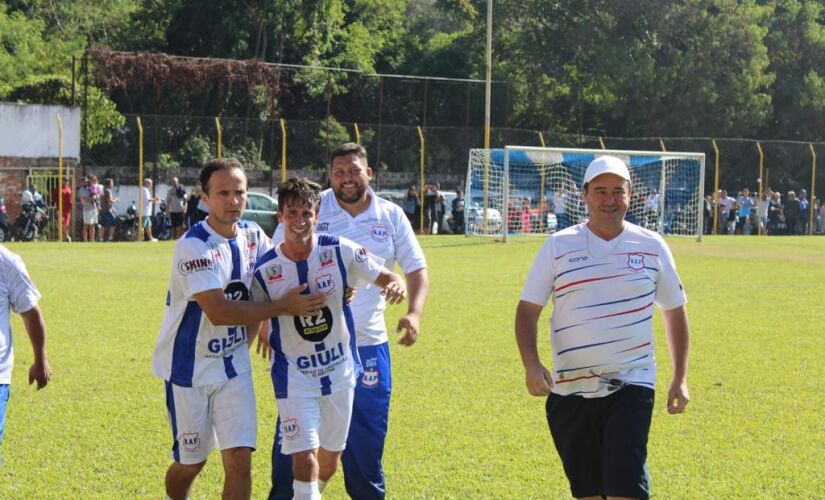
pixel 308 423
pixel 199 415
pixel 89 217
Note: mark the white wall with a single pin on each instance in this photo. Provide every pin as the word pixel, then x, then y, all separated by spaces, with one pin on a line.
pixel 30 130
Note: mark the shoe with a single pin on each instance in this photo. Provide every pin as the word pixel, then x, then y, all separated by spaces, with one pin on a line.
pixel 154 240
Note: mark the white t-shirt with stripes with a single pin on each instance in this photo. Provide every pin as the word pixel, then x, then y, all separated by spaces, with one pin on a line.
pixel 603 294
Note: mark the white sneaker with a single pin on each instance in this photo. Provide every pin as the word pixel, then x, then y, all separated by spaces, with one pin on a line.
pixel 154 240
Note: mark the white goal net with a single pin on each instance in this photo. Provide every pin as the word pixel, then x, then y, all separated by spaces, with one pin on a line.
pixel 523 190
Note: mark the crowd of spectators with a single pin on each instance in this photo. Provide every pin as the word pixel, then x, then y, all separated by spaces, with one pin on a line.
pixel 771 212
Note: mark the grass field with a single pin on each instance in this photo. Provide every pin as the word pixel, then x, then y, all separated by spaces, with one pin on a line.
pixel 462 424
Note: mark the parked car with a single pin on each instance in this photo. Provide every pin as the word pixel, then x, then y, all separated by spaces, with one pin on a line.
pixel 474 217
pixel 262 209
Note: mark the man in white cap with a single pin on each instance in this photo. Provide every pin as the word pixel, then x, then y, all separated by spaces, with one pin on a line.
pixel 604 276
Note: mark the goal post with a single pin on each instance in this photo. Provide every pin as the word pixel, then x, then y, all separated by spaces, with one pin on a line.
pixel 537 191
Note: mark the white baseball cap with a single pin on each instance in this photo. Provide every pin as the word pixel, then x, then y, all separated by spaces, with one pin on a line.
pixel 606 165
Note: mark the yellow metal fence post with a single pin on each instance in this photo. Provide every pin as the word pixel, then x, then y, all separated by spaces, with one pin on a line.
pixel 715 198
pixel 139 234
pixel 761 177
pixel 283 150
pixel 601 143
pixel 662 145
pixel 59 179
pixel 357 133
pixel 219 144
pixel 812 198
pixel 421 174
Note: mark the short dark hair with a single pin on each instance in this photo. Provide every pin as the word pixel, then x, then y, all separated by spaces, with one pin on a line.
pixel 299 189
pixel 346 149
pixel 213 166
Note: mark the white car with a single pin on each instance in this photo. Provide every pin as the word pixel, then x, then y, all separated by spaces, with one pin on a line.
pixel 474 217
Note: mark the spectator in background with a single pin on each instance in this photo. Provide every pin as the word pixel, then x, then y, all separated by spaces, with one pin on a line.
pixel 412 207
pixel 458 213
pixel 108 214
pixel 762 209
pixel 89 208
pixel 148 209
pixel 804 214
pixel 724 206
pixel 440 212
pixel 707 215
pixel 68 202
pixel 430 193
pixel 746 203
pixel 97 192
pixel 176 205
pixel 775 215
pixel 821 223
pixel 792 211
pixel 526 224
pixel 651 210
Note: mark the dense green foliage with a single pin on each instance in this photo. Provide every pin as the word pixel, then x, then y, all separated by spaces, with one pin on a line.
pixel 462 424
pixel 717 68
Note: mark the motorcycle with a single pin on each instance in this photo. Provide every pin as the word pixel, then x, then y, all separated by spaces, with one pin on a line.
pixel 31 221
pixel 4 220
pixel 126 224
pixel 161 224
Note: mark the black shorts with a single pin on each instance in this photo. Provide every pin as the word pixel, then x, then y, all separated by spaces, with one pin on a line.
pixel 176 218
pixel 107 219
pixel 602 442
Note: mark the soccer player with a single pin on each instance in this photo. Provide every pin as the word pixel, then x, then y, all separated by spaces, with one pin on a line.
pixel 201 352
pixel 351 209
pixel 18 293
pixel 315 362
pixel 604 276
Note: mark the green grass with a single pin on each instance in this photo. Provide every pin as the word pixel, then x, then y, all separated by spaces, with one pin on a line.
pixel 462 424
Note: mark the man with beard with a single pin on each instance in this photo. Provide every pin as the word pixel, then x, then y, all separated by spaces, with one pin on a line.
pixel 352 210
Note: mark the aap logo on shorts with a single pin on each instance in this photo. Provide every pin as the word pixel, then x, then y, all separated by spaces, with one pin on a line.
pixel 191 441
pixel 290 428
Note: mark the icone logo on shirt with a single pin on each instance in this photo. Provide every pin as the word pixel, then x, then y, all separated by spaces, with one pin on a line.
pixel 325 284
pixel 195 265
pixel 379 232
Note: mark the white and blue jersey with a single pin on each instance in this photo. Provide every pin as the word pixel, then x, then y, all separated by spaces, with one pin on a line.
pixel 384 230
pixel 603 296
pixel 190 350
pixel 315 355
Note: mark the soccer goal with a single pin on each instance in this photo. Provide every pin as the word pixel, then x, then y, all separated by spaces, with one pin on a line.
pixel 523 190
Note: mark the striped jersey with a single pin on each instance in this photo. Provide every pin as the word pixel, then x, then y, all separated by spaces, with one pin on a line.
pixel 603 294
pixel 190 350
pixel 18 294
pixel 315 355
pixel 384 230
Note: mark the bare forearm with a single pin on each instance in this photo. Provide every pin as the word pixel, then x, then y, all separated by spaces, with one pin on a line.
pixel 526 333
pixel 36 328
pixel 418 285
pixel 678 336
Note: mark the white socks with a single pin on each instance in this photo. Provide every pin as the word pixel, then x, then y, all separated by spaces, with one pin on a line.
pixel 306 490
pixel 321 485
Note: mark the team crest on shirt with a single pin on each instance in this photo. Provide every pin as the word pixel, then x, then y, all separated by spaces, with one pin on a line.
pixel 326 257
pixel 369 378
pixel 273 273
pixel 379 232
pixel 361 255
pixel 191 441
pixel 290 428
pixel 325 284
pixel 322 227
pixel 636 261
